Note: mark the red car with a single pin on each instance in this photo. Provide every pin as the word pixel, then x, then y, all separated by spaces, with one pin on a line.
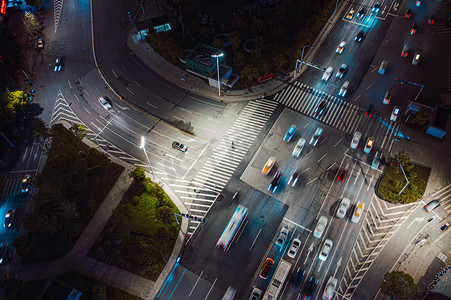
pixel 342 175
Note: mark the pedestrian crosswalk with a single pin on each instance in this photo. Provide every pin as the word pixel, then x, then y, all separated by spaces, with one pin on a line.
pixel 444 195
pixel 340 114
pixel 12 187
pixel 200 193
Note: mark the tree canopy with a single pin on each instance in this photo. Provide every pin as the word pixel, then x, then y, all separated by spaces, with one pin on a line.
pixel 398 285
pixel 12 104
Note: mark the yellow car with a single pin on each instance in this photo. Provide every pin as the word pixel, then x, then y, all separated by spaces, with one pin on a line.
pixel 350 14
pixel 269 164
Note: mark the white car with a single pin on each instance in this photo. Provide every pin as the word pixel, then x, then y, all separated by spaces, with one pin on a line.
pixel 394 114
pixel 376 160
pixel 343 208
pixel 256 294
pixel 320 226
pixel 327 73
pixel 341 47
pixel 341 71
pixel 298 148
pixel 324 253
pixel 295 245
pixel 356 139
pixel 105 103
pixel 315 138
pixel 330 288
pixel 282 236
pixel 344 89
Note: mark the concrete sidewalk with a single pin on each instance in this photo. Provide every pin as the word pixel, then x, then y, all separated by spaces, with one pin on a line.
pixel 77 259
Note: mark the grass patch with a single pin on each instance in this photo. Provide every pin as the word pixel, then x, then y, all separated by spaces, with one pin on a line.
pixel 70 189
pixel 141 233
pixel 16 289
pixel 393 181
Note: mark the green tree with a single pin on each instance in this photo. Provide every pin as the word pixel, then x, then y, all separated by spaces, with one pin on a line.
pixel 422 117
pixel 165 214
pixel 398 285
pixel 12 104
pixel 138 175
pixel 250 73
pixel 79 131
pixel 41 129
pixel 32 24
pixel 235 40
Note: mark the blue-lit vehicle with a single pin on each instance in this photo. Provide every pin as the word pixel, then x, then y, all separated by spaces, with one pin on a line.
pixel 296 282
pixel 361 13
pixel 3 251
pixel 359 37
pixel 320 108
pixel 275 181
pixel 234 225
pixel 376 8
pixel 290 133
pixel 25 187
pixel 58 65
pixel 310 288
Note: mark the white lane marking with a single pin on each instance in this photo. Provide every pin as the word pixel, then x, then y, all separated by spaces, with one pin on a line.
pixel 129 90
pixel 183 177
pixel 98 128
pixel 76 98
pixel 124 69
pixel 175 117
pixel 69 84
pixel 194 286
pixel 138 84
pixel 256 237
pixel 151 105
pixel 114 73
pixel 123 107
pixel 415 220
pixel 86 110
pixel 322 157
pixel 209 291
pixel 339 141
pixel 209 130
pixel 312 180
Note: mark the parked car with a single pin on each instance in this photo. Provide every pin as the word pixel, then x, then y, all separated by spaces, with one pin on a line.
pixel 418 3
pixel 315 138
pixel 282 237
pixel 343 208
pixel 294 248
pixel 432 205
pixel 320 226
pixel 330 288
pixel 255 294
pixel 275 182
pixel 394 114
pixel 325 250
pixel 356 139
pixel 9 218
pixel 268 166
pixel 105 102
pixel 341 47
pixel 290 133
pixel 298 148
pixel 267 266
pixel 179 146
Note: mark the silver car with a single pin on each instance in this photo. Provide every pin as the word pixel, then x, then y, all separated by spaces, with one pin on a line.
pixel 298 148
pixel 330 288
pixel 320 226
pixel 327 73
pixel 105 103
pixel 315 138
pixel 356 139
pixel 327 246
pixel 344 205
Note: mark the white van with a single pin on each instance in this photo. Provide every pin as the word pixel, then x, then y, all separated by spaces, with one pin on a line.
pixel 358 211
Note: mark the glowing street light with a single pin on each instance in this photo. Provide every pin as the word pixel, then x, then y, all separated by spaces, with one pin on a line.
pixel 143 143
pixel 217 66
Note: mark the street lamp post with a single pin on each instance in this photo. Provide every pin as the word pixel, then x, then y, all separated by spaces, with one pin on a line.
pixel 143 143
pixel 217 66
pixel 302 57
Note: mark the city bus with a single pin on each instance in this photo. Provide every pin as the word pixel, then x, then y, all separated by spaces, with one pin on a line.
pixel 234 225
pixel 277 281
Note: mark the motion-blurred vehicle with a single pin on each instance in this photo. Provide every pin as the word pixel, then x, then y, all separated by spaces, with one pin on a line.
pixel 341 71
pixel 361 13
pixel 327 73
pixel 290 133
pixel 320 226
pixel 418 3
pixel 3 252
pixel 295 245
pixel 405 51
pixel 296 282
pixel 344 89
pixel 356 139
pixel 266 268
pixel 294 177
pixel 268 166
pixel 341 47
pixel 330 288
pixel 387 98
pixel 359 37
pixel 343 208
pixel 275 182
pixel 432 205
pixel 310 288
pixel 325 250
pixel 298 148
pixel 105 102
pixel 408 13
pixel 9 218
pixel 342 175
pixel 315 138
pixel 320 108
pixel 58 65
pixel 416 59
pixel 383 67
pixel 414 28
pixel 369 145
pixel 394 114
pixel 179 146
pixel 376 8
pixel 25 186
